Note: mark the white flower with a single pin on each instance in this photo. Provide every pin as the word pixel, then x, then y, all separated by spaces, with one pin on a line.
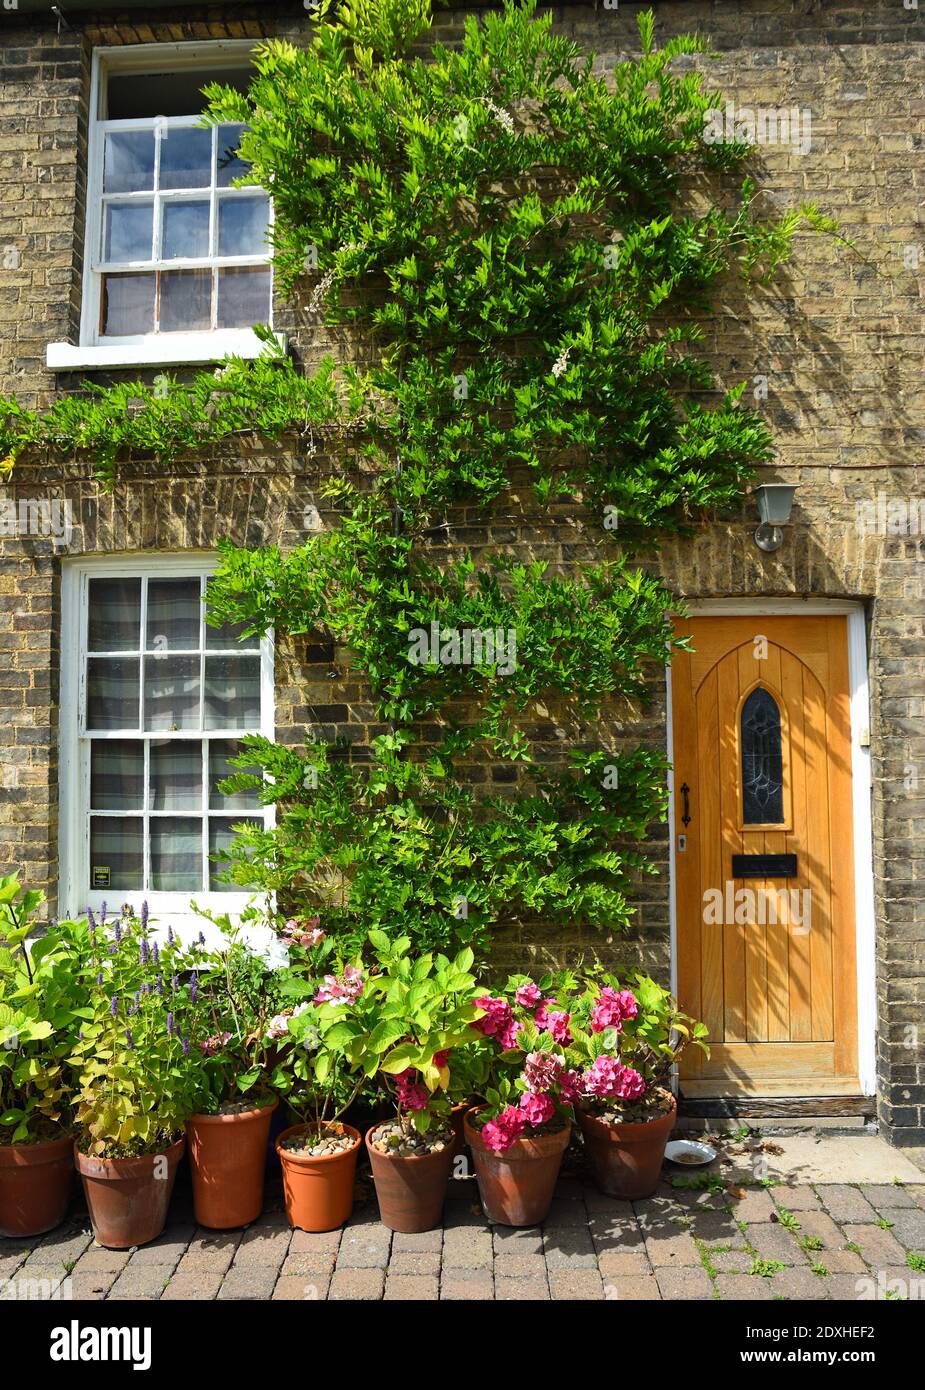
pixel 561 362
pixel 263 943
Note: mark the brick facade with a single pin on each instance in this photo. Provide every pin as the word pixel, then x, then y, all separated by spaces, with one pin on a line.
pixel 836 339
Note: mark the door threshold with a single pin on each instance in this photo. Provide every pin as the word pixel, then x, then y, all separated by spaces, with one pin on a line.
pixel 727 1088
pixel 773 1107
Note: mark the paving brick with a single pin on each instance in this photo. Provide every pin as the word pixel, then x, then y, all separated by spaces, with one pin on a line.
pixel 514 1240
pixel 141 1281
pixel 211 1249
pixel 292 1288
pixel 422 1263
pixel 848 1288
pixel 469 1285
pixel 917 1192
pixel 92 1284
pixel 520 1290
pixel 844 1203
pixel 684 1283
pixel 908 1226
pixel 717 1228
pixel 569 1248
pixel 63 1246
pixel 194 1286
pixel 411 1288
pixel 819 1225
pixel 774 1242
pixel 635 1289
pixel 263 1245
pixel 754 1205
pixel 530 1266
pixel 364 1247
pixel 616 1231
pixel 671 1245
pixel 796 1199
pixel 465 1248
pixel 878 1247
pixel 623 1264
pixel 312 1242
pixel 249 1281
pixel 423 1241
pixel 309 1265
pixel 365 1284
pixel 731 1261
pixel 569 1284
pixel 840 1261
pixel 568 1214
pixel 748 1287
pixel 98 1258
pixel 799 1283
pixel 887 1195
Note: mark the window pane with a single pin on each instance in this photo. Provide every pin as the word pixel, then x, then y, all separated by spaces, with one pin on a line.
pixel 127 231
pixel 243 296
pixel 186 230
pixel 186 157
pixel 176 854
pixel 176 775
pixel 112 693
pixel 220 753
pixel 171 692
pixel 232 692
pixel 242 226
pixel 762 760
pixel 228 634
pixel 128 305
pixel 174 609
pixel 117 775
pixel 221 837
pixel 229 166
pixel 186 300
pixel 128 161
pixel 116 857
pixel 115 615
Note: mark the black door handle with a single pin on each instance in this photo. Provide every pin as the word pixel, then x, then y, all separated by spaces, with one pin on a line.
pixel 685 792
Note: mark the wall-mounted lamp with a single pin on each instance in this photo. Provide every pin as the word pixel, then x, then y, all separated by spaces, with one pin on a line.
pixel 775 501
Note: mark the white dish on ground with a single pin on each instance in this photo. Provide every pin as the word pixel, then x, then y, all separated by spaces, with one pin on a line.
pixel 689 1153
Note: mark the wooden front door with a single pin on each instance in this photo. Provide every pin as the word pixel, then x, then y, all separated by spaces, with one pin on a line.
pixel 762 767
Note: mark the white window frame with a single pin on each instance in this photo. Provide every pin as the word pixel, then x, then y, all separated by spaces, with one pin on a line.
pixel 74 891
pixel 150 349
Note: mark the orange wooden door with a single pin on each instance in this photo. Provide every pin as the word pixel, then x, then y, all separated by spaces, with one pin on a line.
pixel 766 950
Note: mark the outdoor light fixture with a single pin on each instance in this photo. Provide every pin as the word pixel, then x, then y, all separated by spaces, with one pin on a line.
pixel 774 503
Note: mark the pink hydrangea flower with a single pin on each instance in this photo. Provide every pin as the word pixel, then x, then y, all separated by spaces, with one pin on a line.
pixel 497 1016
pixel 557 1025
pixel 528 995
pixel 612 1008
pixel 542 1070
pixel 608 1078
pixel 411 1094
pixel 538 1109
pixel 499 1134
pixel 541 1017
pixel 508 1035
pixel 215 1042
pixel 346 990
pixel 571 1085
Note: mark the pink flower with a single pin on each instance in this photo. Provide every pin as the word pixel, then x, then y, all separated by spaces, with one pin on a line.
pixel 612 1008
pixel 607 1077
pixel 499 1134
pixel 557 1025
pixel 498 1015
pixel 411 1094
pixel 508 1036
pixel 570 1087
pixel 542 1070
pixel 541 1017
pixel 528 995
pixel 214 1043
pixel 346 990
pixel 306 933
pixel 538 1109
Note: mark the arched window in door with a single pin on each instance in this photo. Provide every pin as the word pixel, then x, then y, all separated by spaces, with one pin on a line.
pixel 762 760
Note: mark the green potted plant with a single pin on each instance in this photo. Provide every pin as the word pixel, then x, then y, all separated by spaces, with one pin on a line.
pixel 234 1006
pixel 39 1017
pixel 138 1079
pixel 519 1135
pixel 423 1010
pixel 624 1045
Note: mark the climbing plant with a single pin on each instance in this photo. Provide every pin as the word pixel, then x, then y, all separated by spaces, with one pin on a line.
pixel 522 249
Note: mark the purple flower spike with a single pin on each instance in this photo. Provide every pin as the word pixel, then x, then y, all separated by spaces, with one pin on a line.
pixel 99 977
pixel 175 983
pixel 103 915
pixel 170 1025
pixel 193 987
pixel 114 1005
pixel 129 1039
pixel 91 920
pixel 156 954
pixel 170 937
pixel 143 951
pixel 184 1043
pixel 160 984
pixel 144 914
pixel 202 938
pixel 117 931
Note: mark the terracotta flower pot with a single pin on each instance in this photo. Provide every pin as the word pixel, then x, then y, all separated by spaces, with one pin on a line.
pixel 318 1192
pixel 35 1185
pixel 517 1186
pixel 228 1156
pixel 128 1197
pixel 410 1188
pixel 626 1159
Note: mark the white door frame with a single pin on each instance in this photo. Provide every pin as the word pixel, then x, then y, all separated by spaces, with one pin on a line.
pixel 860 799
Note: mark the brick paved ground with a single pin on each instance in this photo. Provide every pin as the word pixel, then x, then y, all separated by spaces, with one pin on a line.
pixel 743 1242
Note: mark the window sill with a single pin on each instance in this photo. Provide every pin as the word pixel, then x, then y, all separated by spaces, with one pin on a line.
pixel 176 350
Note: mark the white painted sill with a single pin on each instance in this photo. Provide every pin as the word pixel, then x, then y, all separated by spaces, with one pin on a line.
pixel 173 350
